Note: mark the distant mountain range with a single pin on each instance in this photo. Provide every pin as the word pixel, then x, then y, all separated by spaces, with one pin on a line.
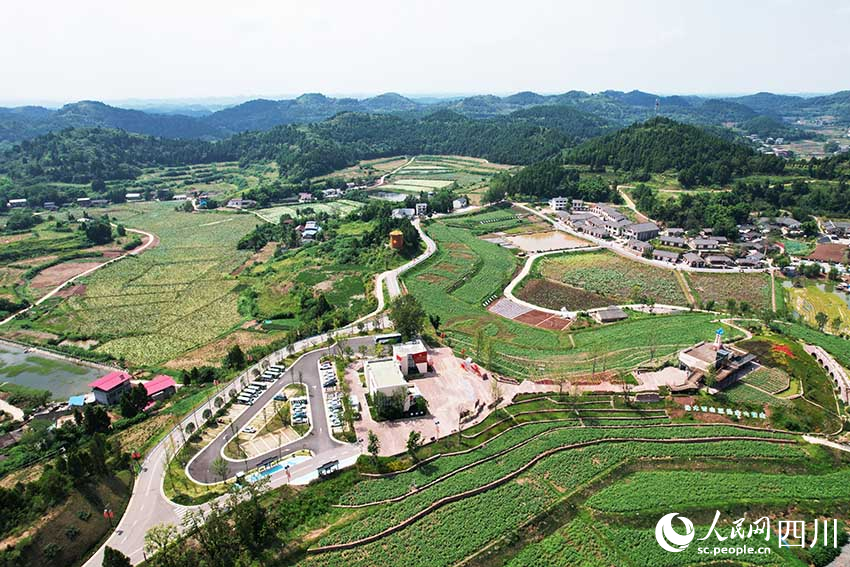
pixel 603 109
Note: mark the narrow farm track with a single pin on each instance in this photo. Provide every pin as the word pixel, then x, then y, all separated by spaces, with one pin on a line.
pixel 686 289
pixel 152 240
pixel 514 474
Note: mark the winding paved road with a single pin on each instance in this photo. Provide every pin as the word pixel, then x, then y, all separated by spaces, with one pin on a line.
pixel 148 505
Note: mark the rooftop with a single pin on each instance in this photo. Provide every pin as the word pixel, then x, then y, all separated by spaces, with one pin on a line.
pixel 159 383
pixel 110 381
pixel 410 347
pixel 385 373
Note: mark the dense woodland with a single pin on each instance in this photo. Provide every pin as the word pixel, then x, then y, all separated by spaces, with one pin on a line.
pixel 661 144
pixel 547 179
pixel 722 211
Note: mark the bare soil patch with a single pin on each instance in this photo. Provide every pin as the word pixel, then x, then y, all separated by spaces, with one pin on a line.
pixel 55 275
pixel 213 353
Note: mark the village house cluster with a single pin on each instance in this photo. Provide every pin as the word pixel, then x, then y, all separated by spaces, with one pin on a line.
pixel 646 239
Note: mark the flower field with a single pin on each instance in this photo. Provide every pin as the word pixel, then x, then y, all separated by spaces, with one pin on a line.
pixel 176 296
pixel 613 277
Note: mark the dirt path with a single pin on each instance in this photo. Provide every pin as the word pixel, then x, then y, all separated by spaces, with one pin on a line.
pixel 152 240
pixel 621 189
pixel 686 289
pixel 773 290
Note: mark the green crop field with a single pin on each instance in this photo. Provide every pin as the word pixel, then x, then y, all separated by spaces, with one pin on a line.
pixel 618 279
pixel 340 207
pixel 771 380
pixel 175 296
pixel 745 288
pixel 536 473
pixel 815 297
pixel 466 270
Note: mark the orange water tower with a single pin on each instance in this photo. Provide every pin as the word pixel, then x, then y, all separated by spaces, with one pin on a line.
pixel 396 240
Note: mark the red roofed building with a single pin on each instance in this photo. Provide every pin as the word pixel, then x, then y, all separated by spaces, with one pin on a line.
pixel 160 387
pixel 108 389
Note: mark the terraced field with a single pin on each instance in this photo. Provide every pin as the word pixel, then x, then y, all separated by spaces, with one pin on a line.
pixel 534 470
pixel 451 285
pixel 339 207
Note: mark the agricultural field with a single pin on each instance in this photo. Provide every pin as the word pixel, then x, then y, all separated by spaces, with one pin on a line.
pixel 451 285
pixel 607 275
pixel 750 289
pixel 780 356
pixel 339 207
pixel 817 297
pixel 221 180
pixel 178 295
pixel 554 295
pixel 797 247
pixel 771 380
pixel 536 475
pixel 494 220
pixel 429 173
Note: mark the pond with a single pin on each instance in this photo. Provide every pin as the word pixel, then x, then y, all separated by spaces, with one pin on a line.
pixel 546 241
pixel 825 287
pixel 61 378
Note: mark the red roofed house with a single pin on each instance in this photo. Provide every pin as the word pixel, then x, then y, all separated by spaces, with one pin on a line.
pixel 160 387
pixel 108 389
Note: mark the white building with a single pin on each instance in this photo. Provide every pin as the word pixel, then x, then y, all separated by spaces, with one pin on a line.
pixel 133 196
pixel 383 375
pixel 421 209
pixel 559 203
pixel 411 357
pixel 460 203
pixel 17 203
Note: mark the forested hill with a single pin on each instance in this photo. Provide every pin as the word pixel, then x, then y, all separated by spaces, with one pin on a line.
pixel 82 155
pixel 661 144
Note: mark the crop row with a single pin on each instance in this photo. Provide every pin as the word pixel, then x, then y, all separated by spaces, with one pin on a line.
pixel 459 529
pixel 682 489
pixel 490 470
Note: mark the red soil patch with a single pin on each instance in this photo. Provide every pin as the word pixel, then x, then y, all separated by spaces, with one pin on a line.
pixel 828 253
pixel 532 317
pixel 71 290
pixel 783 349
pixel 555 323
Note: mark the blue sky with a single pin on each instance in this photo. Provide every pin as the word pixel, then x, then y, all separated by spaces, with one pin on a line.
pixel 61 51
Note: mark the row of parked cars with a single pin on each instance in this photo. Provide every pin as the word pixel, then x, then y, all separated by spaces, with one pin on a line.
pixel 298 411
pixel 255 389
pixel 327 372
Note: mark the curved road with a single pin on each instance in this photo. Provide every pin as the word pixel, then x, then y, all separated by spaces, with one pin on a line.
pixel 136 251
pixel 148 505
pixel 319 439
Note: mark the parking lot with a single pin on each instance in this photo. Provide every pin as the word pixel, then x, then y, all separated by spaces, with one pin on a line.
pixel 281 421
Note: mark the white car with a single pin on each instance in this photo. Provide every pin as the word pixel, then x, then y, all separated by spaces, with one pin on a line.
pixel 249 429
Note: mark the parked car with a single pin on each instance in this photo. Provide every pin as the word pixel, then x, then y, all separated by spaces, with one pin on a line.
pixel 249 429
